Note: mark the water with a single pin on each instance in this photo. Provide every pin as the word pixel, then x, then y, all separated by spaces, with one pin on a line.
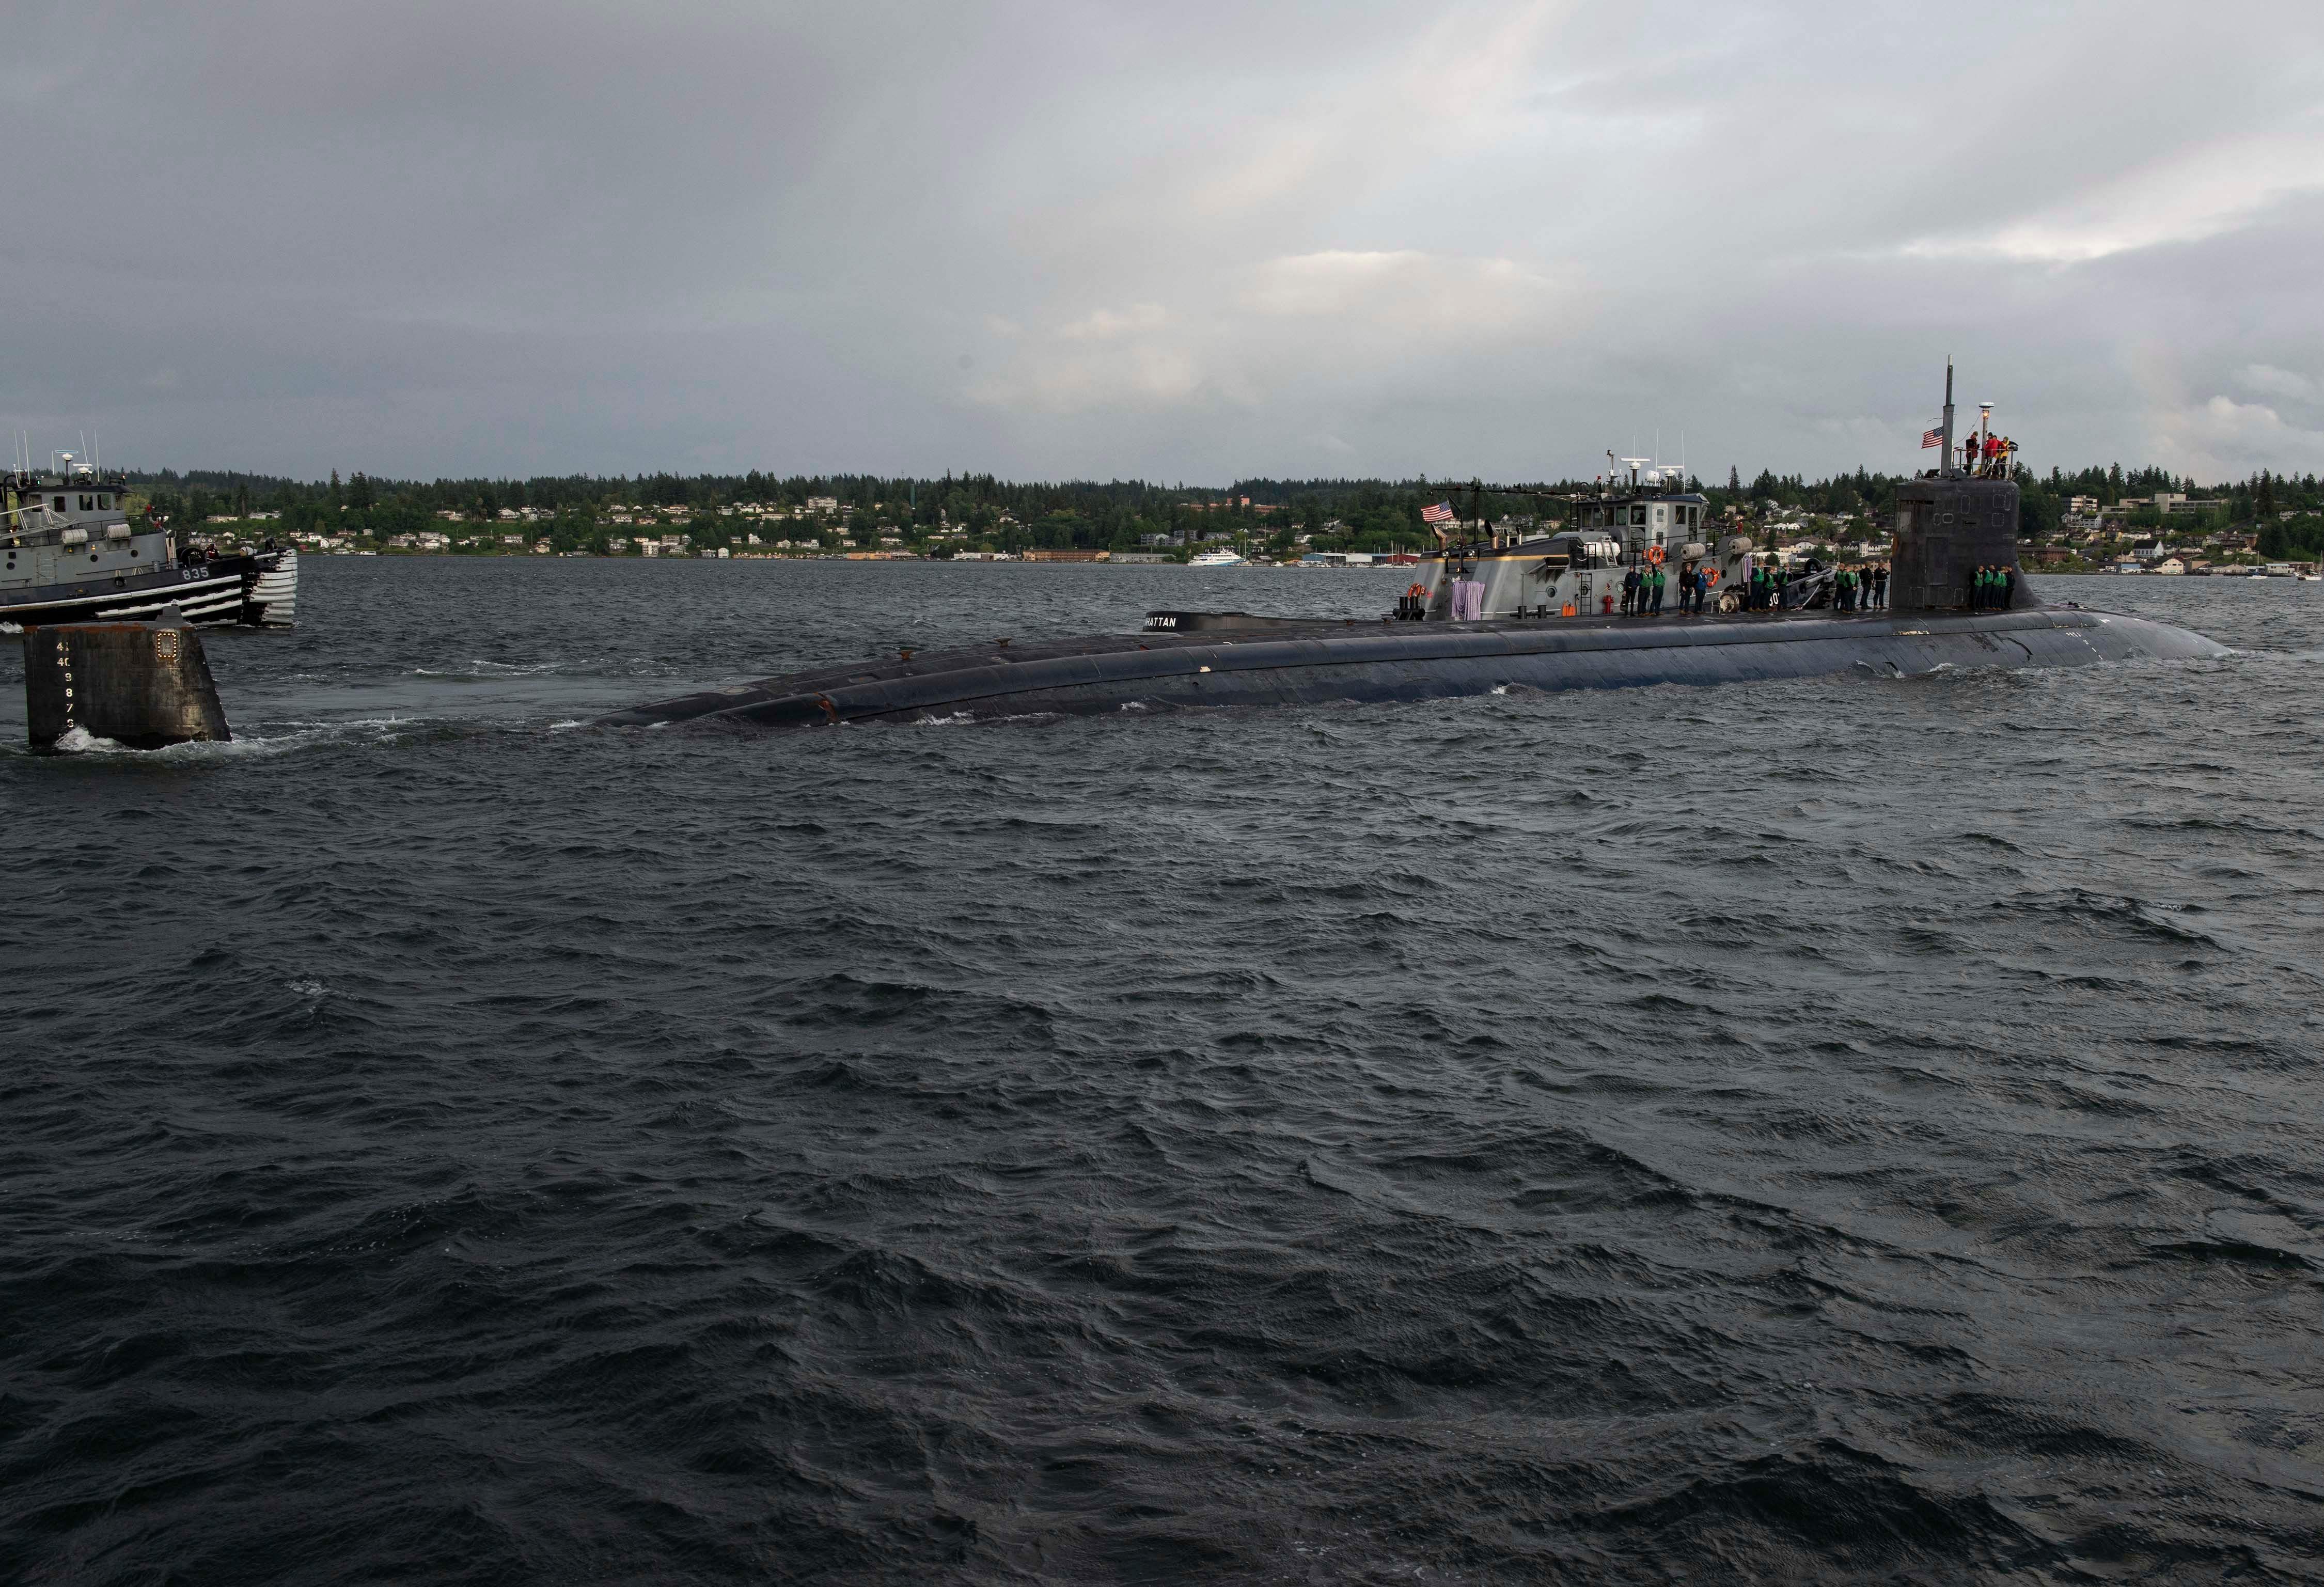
pixel 1808 1131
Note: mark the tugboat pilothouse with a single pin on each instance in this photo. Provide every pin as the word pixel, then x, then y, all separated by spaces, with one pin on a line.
pixel 69 553
pixel 1640 520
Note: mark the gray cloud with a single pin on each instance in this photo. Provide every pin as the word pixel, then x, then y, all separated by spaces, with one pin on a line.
pixel 1184 242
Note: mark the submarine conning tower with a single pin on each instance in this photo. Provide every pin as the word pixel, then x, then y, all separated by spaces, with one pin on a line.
pixel 1948 524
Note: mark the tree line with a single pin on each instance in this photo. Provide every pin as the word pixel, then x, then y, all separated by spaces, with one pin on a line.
pixel 1346 513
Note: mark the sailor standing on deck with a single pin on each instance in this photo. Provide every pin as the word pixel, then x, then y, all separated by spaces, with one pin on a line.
pixel 1657 577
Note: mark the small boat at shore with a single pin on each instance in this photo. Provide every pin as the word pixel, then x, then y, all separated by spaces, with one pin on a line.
pixel 70 553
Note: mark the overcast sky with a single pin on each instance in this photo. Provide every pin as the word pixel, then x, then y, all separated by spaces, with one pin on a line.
pixel 1186 241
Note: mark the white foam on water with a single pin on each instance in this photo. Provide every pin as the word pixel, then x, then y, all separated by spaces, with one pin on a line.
pixel 482 669
pixel 371 730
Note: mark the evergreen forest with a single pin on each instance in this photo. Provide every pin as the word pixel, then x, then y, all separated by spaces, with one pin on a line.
pixel 577 512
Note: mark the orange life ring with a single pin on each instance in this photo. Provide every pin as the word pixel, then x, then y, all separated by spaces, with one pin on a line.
pixel 1417 591
pixel 1714 575
pixel 1654 553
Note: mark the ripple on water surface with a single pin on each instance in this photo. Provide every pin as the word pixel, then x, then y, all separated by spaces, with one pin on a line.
pixel 1834 1129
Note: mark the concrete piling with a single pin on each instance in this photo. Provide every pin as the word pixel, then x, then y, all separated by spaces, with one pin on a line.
pixel 143 684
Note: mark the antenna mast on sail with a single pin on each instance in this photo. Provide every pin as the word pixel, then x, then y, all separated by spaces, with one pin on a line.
pixel 1947 464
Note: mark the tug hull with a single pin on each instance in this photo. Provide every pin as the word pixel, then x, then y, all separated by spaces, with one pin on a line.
pixel 1260 661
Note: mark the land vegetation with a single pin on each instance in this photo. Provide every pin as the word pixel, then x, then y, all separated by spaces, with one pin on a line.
pixel 2086 516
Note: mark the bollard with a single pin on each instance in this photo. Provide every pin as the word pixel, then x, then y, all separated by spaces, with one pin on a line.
pixel 143 684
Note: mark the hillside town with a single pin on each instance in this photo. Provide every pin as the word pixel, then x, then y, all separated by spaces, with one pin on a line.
pixel 2094 522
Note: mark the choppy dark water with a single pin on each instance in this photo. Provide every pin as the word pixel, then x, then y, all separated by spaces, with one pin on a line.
pixel 1826 1130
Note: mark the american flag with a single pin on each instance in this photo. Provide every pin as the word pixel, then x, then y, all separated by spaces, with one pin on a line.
pixel 1932 438
pixel 1439 513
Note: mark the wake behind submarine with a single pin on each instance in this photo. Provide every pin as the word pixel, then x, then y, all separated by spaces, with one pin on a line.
pixel 1508 610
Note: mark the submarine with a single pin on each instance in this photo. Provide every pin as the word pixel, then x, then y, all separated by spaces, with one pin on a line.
pixel 1517 609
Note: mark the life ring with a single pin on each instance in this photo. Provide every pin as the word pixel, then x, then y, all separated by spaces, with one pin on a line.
pixel 1715 576
pixel 1654 553
pixel 1417 591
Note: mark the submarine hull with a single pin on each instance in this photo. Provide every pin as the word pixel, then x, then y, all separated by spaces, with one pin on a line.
pixel 1299 662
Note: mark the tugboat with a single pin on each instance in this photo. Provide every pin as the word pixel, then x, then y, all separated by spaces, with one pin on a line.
pixel 70 553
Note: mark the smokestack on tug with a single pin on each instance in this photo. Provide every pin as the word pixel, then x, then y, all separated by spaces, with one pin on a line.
pixel 142 684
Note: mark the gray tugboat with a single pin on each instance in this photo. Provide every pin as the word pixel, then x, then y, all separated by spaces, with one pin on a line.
pixel 71 553
pixel 1537 612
